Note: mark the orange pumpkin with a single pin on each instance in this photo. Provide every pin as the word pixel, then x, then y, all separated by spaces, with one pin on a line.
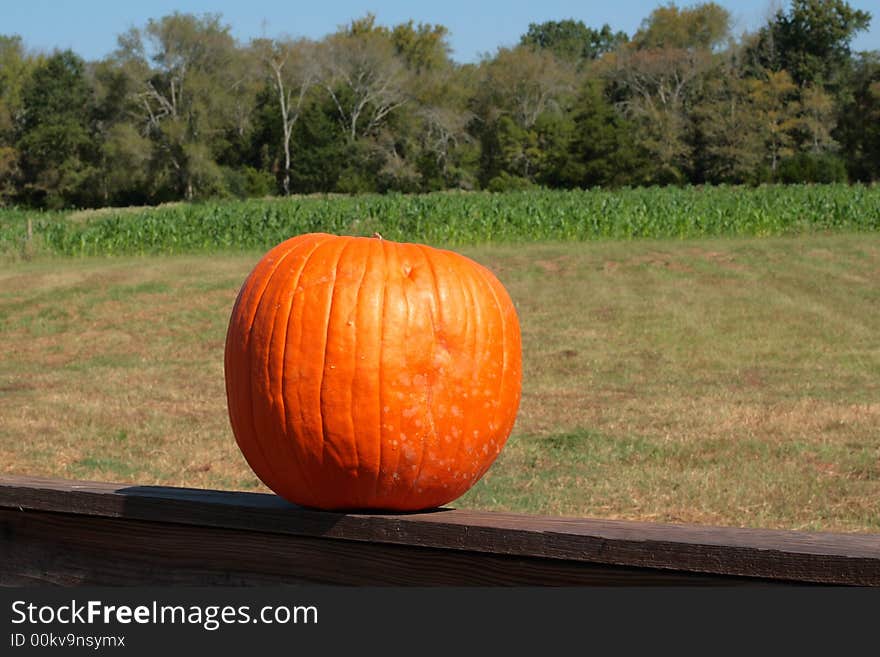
pixel 367 374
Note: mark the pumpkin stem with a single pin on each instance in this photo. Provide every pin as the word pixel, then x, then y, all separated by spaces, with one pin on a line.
pixel 377 235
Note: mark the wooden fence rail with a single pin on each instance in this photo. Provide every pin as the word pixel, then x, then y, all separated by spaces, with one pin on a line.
pixel 77 533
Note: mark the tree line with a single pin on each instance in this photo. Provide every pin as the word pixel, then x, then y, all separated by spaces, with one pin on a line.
pixel 181 110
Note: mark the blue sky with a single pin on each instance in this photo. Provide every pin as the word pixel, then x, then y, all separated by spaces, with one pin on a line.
pixel 90 27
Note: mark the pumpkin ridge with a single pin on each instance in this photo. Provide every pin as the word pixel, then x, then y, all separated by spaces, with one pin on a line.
pixel 237 415
pixel 306 399
pixel 405 269
pixel 321 392
pixel 363 254
pixel 439 338
pixel 271 294
pixel 354 433
pixel 471 343
pixel 429 386
pixel 484 273
pixel 249 341
pixel 392 262
pixel 297 458
pixel 484 346
pixel 380 396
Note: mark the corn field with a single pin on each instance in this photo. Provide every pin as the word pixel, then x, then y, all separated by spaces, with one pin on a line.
pixel 451 219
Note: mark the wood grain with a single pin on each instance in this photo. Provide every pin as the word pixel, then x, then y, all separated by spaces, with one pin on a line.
pixel 444 546
pixel 63 549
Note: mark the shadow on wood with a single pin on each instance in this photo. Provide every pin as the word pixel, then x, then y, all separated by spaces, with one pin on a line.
pixel 76 533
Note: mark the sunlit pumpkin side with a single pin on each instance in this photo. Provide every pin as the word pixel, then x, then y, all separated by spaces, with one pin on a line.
pixel 367 374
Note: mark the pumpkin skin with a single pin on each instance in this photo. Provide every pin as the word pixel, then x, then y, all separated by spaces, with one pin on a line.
pixel 367 374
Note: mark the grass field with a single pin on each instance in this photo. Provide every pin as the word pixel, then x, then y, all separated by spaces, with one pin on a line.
pixel 725 381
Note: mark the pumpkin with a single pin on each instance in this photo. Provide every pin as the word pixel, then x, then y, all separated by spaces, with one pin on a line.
pixel 367 374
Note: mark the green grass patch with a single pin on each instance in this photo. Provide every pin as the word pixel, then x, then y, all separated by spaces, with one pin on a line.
pixel 117 292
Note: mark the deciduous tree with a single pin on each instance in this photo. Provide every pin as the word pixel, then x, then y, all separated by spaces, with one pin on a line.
pixel 704 26
pixel 777 109
pixel 188 81
pixel 291 66
pixel 572 40
pixel 54 132
pixel 15 66
pixel 364 76
pixel 811 40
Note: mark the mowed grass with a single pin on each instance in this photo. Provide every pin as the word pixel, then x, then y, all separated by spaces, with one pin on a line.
pixel 729 381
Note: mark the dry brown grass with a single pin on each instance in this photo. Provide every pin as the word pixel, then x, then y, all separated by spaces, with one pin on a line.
pixel 727 382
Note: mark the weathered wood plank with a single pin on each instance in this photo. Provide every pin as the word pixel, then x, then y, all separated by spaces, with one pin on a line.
pixel 712 551
pixel 65 549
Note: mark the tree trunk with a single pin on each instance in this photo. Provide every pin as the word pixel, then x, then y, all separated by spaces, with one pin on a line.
pixel 285 183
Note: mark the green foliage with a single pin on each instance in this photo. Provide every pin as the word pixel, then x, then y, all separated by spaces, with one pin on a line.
pixel 460 218
pixel 424 47
pixel 603 150
pixel 859 129
pixel 505 182
pixel 812 39
pixel 571 40
pixel 190 78
pixel 703 27
pixel 728 133
pixel 183 111
pixel 54 136
pixel 812 168
pixel 13 71
pixel 320 149
pixel 248 182
pixel 521 110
